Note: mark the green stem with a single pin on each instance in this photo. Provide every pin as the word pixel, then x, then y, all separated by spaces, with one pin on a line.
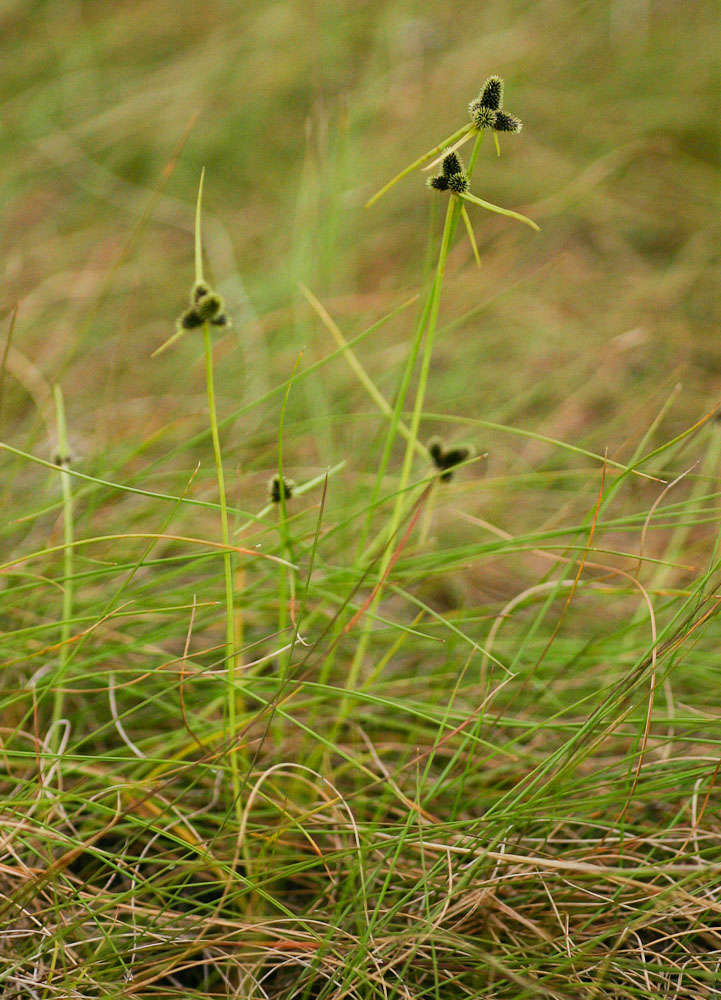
pixel 432 313
pixel 65 479
pixel 283 531
pixel 227 555
pixel 427 353
pixel 230 653
pixel 427 321
pixel 420 162
pixel 396 418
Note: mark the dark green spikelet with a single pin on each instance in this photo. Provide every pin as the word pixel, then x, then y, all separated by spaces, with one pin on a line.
pixel 220 320
pixel 439 183
pixel 458 183
pixel 453 457
pixel 491 95
pixel 190 320
pixel 507 123
pixel 452 165
pixel 435 450
pixel 209 306
pixel 280 488
pixel 445 460
pixel 481 116
pixel 63 460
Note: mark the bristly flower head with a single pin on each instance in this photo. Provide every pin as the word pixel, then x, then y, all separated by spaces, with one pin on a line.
pixel 276 485
pixel 458 183
pixel 485 110
pixel 491 95
pixel 453 177
pixel 190 320
pixel 445 459
pixel 209 306
pixel 452 164
pixel 482 116
pixel 206 306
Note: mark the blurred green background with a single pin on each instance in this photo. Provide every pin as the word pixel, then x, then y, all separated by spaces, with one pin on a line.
pixel 299 111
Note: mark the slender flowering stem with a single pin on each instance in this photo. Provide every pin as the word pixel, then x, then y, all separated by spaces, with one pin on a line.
pixel 430 313
pixel 225 533
pixel 230 655
pixel 395 423
pixel 66 480
pixel 429 339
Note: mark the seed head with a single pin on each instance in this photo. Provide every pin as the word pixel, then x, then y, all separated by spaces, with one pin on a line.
pixel 482 116
pixel 507 123
pixel 452 164
pixel 190 320
pixel 453 178
pixel 458 183
pixel 208 306
pixel 446 459
pixel 491 95
pixel 485 110
pixel 276 485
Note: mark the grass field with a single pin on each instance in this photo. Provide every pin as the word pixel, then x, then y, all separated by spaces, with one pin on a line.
pixel 394 736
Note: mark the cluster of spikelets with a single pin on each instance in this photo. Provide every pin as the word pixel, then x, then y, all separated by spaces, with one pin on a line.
pixel 486 113
pixel 446 459
pixel 206 306
pixel 486 110
pixel 453 177
pixel 280 489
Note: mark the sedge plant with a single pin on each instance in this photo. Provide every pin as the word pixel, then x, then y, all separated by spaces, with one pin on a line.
pixel 455 181
pixel 206 311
